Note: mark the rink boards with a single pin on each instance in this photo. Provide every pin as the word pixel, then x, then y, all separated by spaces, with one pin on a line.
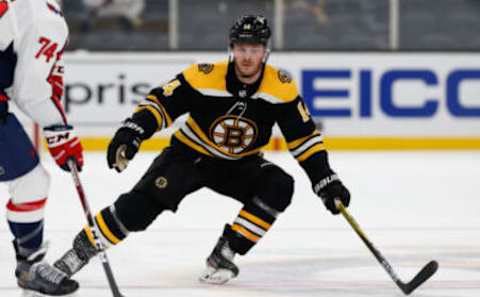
pixel 374 100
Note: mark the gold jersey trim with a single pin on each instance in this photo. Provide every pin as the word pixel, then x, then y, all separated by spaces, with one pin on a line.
pixel 306 146
pixel 190 143
pixel 273 89
pixel 292 145
pixel 167 119
pixel 200 142
pixel 309 152
pixel 214 93
pixel 212 80
pixel 154 111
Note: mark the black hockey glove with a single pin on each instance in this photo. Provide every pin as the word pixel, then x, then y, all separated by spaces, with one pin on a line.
pixel 329 188
pixel 124 145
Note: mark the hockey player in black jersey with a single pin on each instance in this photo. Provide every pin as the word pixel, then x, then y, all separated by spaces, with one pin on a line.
pixel 232 108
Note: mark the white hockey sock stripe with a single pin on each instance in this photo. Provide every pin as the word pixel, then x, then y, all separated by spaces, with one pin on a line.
pixel 245 233
pixel 250 226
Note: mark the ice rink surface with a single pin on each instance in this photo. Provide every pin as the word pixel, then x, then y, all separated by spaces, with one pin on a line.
pixel 413 206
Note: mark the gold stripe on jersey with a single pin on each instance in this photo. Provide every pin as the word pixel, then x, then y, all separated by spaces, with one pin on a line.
pixel 190 143
pixel 247 234
pixel 188 132
pixel 195 133
pixel 153 98
pixel 306 146
pixel 256 220
pixel 309 152
pixel 211 82
pixel 296 143
pixel 105 230
pixel 162 109
pixel 154 112
pixel 275 90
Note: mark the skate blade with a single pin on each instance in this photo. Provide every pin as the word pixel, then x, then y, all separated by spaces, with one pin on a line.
pixel 216 276
pixel 29 293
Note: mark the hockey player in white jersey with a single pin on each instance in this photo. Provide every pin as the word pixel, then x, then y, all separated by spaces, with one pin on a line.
pixel 32 40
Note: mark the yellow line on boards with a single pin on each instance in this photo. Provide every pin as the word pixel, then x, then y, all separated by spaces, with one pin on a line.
pixel 331 143
pixel 400 143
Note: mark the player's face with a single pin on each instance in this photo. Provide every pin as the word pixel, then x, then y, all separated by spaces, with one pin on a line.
pixel 248 58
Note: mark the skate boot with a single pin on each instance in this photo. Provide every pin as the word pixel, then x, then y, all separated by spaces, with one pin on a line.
pixel 35 275
pixel 77 257
pixel 220 267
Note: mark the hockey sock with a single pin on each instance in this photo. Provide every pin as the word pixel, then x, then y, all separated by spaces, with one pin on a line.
pixel 251 224
pixel 112 231
pixel 26 224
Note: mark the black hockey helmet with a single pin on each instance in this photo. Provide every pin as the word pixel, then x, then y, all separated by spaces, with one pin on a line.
pixel 250 28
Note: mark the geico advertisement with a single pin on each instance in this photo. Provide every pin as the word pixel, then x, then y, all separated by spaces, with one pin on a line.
pixel 359 94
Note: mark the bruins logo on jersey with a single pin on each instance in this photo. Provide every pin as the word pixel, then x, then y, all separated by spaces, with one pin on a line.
pixel 284 76
pixel 233 134
pixel 161 182
pixel 205 68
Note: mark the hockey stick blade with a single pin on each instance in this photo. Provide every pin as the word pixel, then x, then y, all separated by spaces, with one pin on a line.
pixel 406 288
pixel 424 274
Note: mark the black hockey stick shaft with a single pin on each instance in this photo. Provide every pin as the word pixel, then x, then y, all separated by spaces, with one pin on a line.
pixel 407 288
pixel 93 227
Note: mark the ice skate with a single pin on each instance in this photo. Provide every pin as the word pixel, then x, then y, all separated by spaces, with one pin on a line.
pixel 35 276
pixel 77 257
pixel 220 267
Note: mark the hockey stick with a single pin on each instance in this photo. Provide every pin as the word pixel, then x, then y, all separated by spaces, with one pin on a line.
pixel 407 288
pixel 93 227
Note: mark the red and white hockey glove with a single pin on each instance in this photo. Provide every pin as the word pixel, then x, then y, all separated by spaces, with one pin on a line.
pixel 64 145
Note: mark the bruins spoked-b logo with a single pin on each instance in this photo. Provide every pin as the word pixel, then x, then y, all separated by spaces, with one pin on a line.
pixel 205 68
pixel 233 134
pixel 161 182
pixel 284 76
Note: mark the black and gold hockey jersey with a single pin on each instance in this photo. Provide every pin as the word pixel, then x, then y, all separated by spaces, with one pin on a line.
pixel 230 120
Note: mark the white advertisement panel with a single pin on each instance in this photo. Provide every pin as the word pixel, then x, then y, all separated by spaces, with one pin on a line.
pixel 352 94
pixel 103 89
